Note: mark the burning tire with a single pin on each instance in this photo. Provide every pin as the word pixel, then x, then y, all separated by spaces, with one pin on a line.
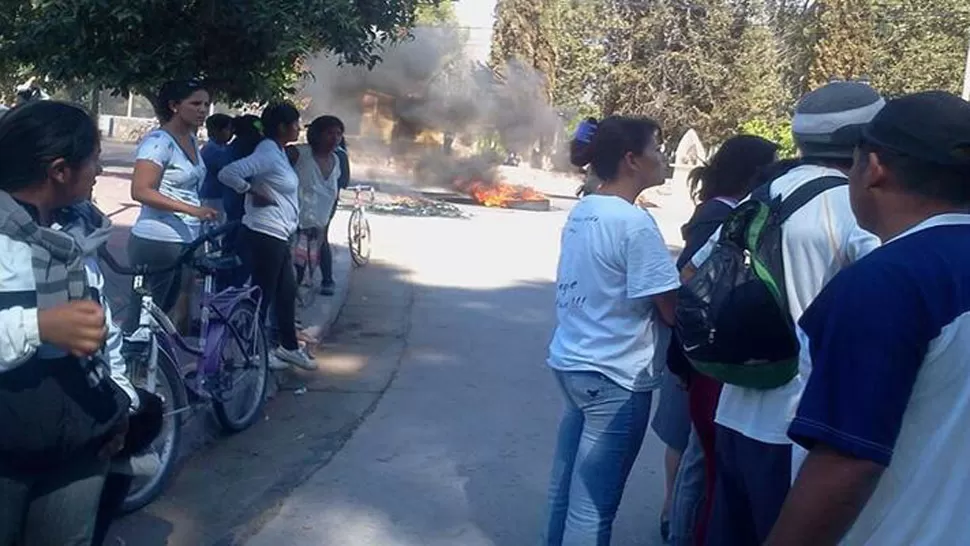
pixel 358 236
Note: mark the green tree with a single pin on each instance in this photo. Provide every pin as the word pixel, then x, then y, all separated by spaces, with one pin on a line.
pixel 920 45
pixel 580 56
pixel 844 41
pixel 434 14
pixel 707 65
pixel 524 32
pixel 247 51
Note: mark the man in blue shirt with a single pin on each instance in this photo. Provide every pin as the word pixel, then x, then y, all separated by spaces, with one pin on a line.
pixel 216 154
pixel 886 412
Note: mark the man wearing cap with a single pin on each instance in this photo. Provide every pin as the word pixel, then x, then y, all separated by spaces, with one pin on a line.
pixel 886 413
pixel 754 454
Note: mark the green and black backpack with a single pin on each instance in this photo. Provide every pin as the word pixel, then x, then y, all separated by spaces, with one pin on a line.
pixel 733 318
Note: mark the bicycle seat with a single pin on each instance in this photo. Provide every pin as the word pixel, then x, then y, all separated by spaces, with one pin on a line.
pixel 214 263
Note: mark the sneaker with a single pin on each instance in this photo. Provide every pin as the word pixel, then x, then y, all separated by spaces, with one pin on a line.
pixel 327 289
pixel 296 357
pixel 276 364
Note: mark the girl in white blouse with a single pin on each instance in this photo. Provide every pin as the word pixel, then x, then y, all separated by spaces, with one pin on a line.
pixel 270 220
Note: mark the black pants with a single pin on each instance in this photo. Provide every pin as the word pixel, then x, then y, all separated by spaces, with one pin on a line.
pixel 752 481
pixel 271 263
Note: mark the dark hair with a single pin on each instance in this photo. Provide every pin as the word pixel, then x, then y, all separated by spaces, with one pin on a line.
pixel 282 113
pixel 732 169
pixel 617 136
pixel 249 133
pixel 773 171
pixel 218 122
pixel 316 129
pixel 949 184
pixel 174 91
pixel 35 134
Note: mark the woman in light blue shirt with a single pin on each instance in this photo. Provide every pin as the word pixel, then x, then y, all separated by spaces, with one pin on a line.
pixel 169 173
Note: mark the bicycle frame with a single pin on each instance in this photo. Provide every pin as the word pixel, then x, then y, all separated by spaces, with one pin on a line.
pixel 157 330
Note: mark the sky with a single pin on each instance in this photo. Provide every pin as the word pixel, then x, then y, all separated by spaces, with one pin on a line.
pixel 478 16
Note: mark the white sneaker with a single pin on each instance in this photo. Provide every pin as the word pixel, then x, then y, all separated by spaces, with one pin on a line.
pixel 295 357
pixel 276 364
pixel 145 465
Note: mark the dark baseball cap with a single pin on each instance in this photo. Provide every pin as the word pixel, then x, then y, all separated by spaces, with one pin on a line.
pixel 933 126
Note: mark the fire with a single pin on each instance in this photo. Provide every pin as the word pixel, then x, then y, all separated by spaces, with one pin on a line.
pixel 498 194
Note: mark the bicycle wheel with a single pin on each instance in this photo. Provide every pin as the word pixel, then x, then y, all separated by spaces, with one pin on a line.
pixel 169 387
pixel 359 238
pixel 244 375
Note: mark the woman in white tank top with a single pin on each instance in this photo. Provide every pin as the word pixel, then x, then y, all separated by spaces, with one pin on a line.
pixel 318 169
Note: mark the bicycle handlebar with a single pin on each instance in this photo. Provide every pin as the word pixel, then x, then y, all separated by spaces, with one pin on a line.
pixel 184 257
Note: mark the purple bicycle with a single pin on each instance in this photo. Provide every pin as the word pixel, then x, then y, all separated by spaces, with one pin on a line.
pixel 230 362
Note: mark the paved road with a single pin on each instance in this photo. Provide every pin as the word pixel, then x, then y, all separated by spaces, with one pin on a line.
pixel 457 450
pixel 432 419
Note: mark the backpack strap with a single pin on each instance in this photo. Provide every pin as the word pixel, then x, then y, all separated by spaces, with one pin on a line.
pixel 762 193
pixel 806 192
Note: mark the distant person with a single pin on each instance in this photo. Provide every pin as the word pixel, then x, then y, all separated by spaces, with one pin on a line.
pixel 886 411
pixel 615 303
pixel 216 154
pixel 579 154
pixel 820 238
pixel 168 176
pixel 685 418
pixel 271 187
pixel 247 134
pixel 318 167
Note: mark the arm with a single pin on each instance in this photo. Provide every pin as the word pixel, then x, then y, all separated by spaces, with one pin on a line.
pixel 112 348
pixel 153 154
pixel 666 304
pixel 866 335
pixel 235 174
pixel 651 272
pixel 830 492
pixel 144 190
pixel 19 336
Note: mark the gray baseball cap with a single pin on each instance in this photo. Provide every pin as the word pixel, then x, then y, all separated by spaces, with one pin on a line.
pixel 828 121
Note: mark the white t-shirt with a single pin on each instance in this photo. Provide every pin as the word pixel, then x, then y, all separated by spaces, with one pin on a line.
pixel 818 241
pixel 612 259
pixel 890 382
pixel 270 169
pixel 181 180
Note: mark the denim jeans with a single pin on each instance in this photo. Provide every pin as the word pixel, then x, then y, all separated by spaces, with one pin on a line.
pixel 54 508
pixel 600 436
pixel 689 490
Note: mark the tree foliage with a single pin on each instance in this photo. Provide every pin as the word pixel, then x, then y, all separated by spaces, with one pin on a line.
pixel 246 50
pixel 524 32
pixel 844 41
pixel 920 45
pixel 722 65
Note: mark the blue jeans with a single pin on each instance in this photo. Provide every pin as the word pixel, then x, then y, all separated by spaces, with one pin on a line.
pixel 600 436
pixel 689 490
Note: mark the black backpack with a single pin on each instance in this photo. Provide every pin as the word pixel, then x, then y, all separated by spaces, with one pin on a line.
pixel 733 318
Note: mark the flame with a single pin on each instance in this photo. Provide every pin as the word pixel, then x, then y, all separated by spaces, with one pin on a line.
pixel 498 194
